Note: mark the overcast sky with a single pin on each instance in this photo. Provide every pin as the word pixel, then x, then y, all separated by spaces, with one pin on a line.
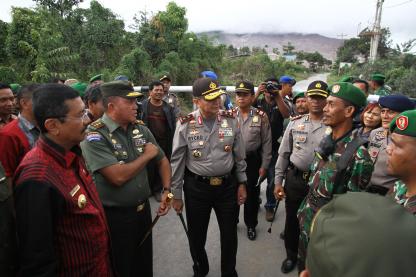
pixel 327 17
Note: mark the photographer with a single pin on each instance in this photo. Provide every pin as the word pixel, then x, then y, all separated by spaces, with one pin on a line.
pixel 273 104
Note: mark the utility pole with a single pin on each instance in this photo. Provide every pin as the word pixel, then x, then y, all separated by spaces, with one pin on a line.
pixel 376 33
pixel 342 35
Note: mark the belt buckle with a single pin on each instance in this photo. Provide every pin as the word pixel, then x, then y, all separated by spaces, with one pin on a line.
pixel 140 207
pixel 215 181
pixel 305 175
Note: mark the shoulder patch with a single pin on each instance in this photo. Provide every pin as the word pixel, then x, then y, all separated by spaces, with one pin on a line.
pixel 186 118
pixel 93 136
pixel 139 122
pixel 259 112
pixel 97 124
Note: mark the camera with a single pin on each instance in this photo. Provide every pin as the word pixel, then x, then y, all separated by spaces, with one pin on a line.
pixel 273 87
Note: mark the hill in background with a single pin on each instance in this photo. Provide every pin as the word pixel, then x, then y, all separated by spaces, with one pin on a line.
pixel 302 42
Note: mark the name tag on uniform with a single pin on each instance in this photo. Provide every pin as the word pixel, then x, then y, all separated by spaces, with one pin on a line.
pixel 228 132
pixel 139 141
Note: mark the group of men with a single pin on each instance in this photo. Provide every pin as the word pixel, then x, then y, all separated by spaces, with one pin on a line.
pixel 80 173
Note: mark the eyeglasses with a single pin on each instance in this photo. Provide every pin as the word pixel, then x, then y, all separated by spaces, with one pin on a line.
pixel 84 117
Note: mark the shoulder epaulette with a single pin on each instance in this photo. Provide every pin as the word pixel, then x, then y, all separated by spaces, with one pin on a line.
pixel 259 112
pixel 138 121
pixel 227 113
pixel 97 124
pixel 292 118
pixel 186 118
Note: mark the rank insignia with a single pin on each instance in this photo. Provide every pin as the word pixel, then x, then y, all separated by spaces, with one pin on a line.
pixel 196 153
pixel 194 132
pixel 227 148
pixel 82 201
pixel 74 190
pixel 301 127
pixel 224 123
pixel 255 119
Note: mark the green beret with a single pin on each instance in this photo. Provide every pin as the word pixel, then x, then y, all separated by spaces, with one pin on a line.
pixel 96 78
pixel 80 87
pixel 244 86
pixel 377 77
pixel 300 94
pixel 362 234
pixel 404 124
pixel 349 92
pixel 15 88
pixel 119 88
pixel 348 79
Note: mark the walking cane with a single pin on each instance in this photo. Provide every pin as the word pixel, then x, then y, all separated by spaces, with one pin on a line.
pixel 274 215
pixel 189 241
pixel 170 196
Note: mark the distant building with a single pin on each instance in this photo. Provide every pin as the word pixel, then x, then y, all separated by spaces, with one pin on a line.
pixel 290 57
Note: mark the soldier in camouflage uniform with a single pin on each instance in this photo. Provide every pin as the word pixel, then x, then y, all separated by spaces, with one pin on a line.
pixel 377 84
pixel 401 162
pixel 326 177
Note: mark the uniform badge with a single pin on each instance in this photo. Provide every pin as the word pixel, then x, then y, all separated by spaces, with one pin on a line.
pixel 227 148
pixel 301 127
pixel 170 101
pixel 135 132
pixel 113 141
pixel 255 119
pixel 140 149
pixel 194 132
pixel 221 134
pixel 228 132
pixel 93 136
pixel 82 201
pixel 336 88
pixel 380 135
pixel 74 190
pixel 301 138
pixel 328 131
pixel 196 153
pixel 402 122
pixel 224 123
pixel 199 120
pixel 201 143
pixel 373 153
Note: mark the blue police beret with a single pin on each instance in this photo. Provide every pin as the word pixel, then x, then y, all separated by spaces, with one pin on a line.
pixel 209 74
pixel 287 80
pixel 121 78
pixel 396 102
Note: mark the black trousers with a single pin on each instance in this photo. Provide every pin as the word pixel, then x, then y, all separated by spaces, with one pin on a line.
pixel 251 206
pixel 200 199
pixel 296 190
pixel 127 229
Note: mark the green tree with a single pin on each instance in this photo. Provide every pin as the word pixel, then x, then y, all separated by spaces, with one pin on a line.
pixel 4 27
pixel 137 66
pixel 62 7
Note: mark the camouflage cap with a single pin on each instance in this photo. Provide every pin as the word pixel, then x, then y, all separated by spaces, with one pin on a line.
pixel 377 77
pixel 208 88
pixel 362 234
pixel 96 78
pixel 244 86
pixel 119 88
pixel 404 124
pixel 318 88
pixel 300 94
pixel 349 92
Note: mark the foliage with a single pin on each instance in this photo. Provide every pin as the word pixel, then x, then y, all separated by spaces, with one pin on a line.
pixel 62 7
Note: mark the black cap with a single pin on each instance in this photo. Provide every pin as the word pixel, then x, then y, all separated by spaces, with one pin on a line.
pixel 207 88
pixel 244 86
pixel 165 77
pixel 119 88
pixel 318 88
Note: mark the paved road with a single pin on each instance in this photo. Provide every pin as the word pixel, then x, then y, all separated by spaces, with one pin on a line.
pixel 260 258
pixel 303 85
